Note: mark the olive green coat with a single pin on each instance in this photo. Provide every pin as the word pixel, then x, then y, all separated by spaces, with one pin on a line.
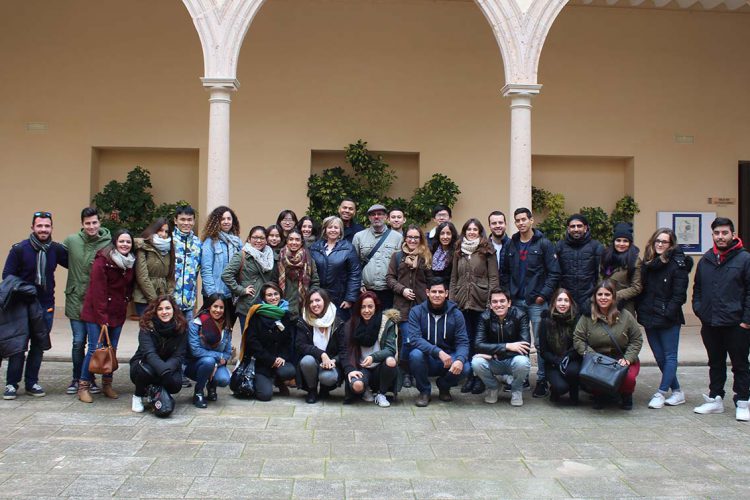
pixel 81 252
pixel 591 335
pixel 250 274
pixel 627 288
pixel 152 276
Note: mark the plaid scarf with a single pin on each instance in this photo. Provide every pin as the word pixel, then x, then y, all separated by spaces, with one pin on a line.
pixel 41 249
pixel 295 267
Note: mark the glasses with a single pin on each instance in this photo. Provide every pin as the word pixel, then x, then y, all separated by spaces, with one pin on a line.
pixel 662 242
pixel 258 238
pixel 287 219
pixel 45 215
pixel 414 238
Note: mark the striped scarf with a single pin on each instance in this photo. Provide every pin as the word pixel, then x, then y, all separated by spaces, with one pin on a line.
pixel 41 249
pixel 262 309
pixel 295 267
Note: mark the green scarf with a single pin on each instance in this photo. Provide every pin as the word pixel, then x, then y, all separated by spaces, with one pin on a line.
pixel 265 310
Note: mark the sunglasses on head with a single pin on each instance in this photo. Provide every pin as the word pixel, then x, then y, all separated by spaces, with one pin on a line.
pixel 45 215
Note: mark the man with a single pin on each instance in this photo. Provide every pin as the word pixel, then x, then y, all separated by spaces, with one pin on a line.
pixel 347 211
pixel 374 247
pixel 397 219
pixel 502 347
pixel 579 258
pixel 187 261
pixel 721 300
pixel 82 247
pixel 498 237
pixel 439 344
pixel 440 214
pixel 34 261
pixel 531 273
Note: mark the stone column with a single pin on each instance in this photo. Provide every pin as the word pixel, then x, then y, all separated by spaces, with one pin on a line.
pixel 217 181
pixel 520 142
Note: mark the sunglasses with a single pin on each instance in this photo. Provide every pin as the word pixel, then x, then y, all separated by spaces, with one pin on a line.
pixel 45 215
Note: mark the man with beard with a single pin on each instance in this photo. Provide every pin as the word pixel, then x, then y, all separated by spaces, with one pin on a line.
pixel 579 258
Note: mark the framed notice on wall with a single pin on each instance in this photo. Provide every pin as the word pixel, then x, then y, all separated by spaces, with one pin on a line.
pixel 693 229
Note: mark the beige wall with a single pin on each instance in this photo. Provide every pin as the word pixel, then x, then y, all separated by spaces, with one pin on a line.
pixel 418 76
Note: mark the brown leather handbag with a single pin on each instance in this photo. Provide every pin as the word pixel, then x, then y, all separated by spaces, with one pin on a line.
pixel 104 358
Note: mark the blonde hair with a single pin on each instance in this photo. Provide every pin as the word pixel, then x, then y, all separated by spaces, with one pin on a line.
pixel 329 221
pixel 422 248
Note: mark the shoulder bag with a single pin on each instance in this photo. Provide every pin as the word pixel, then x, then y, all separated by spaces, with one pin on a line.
pixel 601 372
pixel 104 358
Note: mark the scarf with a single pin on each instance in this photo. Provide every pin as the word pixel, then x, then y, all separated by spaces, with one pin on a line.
pixel 267 311
pixel 437 310
pixel 41 249
pixel 295 267
pixel 264 258
pixel 411 258
pixel 309 240
pixel 124 262
pixel 439 259
pixel 366 333
pixel 560 333
pixel 721 256
pixel 210 331
pixel 164 329
pixel 469 247
pixel 163 245
pixel 231 241
pixel 324 321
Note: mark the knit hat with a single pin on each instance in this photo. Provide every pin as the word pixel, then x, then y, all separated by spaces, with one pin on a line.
pixel 623 230
pixel 579 217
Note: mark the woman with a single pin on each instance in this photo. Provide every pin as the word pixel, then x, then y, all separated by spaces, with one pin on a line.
pixel 408 274
pixel 664 277
pixel 473 275
pixel 275 239
pixel 338 266
pixel 162 342
pixel 442 250
pixel 592 334
pixel 320 340
pixel 268 338
pixel 369 361
pixel 209 349
pixel 248 270
pixel 622 266
pixel 154 265
pixel 561 361
pixel 295 273
pixel 287 220
pixel 309 229
pixel 221 241
pixel 106 304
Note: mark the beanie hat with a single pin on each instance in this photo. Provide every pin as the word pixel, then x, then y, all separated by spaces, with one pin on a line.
pixel 623 230
pixel 579 217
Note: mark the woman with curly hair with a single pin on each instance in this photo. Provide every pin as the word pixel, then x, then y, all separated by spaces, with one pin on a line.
pixel 295 273
pixel 221 241
pixel 154 265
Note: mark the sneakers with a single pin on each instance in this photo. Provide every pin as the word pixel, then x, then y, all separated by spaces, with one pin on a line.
pixel 72 388
pixel 742 414
pixel 657 401
pixel 199 400
pixel 491 397
pixel 677 398
pixel 367 396
pixel 137 405
pixel 540 390
pixel 711 405
pixel 382 401
pixel 36 391
pixel 422 400
pixel 10 392
pixel 94 389
pixel 516 398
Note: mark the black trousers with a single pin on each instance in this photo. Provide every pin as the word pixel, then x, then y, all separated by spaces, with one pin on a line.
pixel 561 384
pixel 379 379
pixel 721 341
pixel 143 377
pixel 264 384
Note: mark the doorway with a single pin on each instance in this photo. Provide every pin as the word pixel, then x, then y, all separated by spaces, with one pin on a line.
pixel 743 190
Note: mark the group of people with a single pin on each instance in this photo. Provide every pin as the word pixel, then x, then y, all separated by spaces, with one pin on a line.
pixel 379 308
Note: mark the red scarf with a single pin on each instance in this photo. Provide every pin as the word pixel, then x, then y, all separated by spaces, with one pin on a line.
pixel 210 331
pixel 722 255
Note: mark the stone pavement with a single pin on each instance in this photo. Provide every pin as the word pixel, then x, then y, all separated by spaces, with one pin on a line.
pixel 56 446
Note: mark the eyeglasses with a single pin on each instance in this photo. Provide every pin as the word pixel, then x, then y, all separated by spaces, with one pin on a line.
pixel 258 238
pixel 662 242
pixel 46 215
pixel 287 219
pixel 414 238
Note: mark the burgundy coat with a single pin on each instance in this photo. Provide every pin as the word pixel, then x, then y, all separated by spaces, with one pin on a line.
pixel 108 294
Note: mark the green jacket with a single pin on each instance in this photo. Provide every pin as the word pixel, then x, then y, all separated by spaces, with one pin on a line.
pixel 81 252
pixel 590 335
pixel 291 289
pixel 152 276
pixel 251 274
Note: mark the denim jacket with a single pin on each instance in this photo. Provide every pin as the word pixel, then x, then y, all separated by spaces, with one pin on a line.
pixel 215 255
pixel 197 349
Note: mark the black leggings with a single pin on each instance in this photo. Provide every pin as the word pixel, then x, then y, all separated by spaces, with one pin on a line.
pixel 559 383
pixel 264 384
pixel 143 377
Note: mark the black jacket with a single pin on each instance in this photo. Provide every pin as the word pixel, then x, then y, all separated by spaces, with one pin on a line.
pixel 542 270
pixel 305 345
pixel 551 326
pixel 339 272
pixel 163 353
pixel 493 334
pixel 721 293
pixel 579 262
pixel 21 317
pixel 267 341
pixel 664 290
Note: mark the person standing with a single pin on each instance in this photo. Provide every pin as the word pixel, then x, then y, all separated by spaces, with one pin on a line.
pixel 397 219
pixel 309 230
pixel 34 261
pixel 621 264
pixel 579 257
pixel 187 259
pixel 440 215
pixel 295 273
pixel 221 241
pixel 154 264
pixel 347 212
pixel 721 300
pixel 82 247
pixel 287 220
pixel 498 238
pixel 442 249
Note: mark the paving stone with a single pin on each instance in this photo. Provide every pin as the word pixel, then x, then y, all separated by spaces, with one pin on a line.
pixel 219 487
pixel 318 450
pixel 183 449
pixel 599 488
pixel 383 469
pixel 210 434
pixel 103 432
pixel 173 466
pixel 410 451
pixel 360 450
pixel 231 421
pixel 368 437
pixel 287 423
pixel 318 489
pixel 334 436
pixel 155 487
pixel 546 449
pixel 483 467
pixel 84 446
pixel 443 488
pixel 700 485
pixel 272 436
pixel 25 462
pixel 282 468
pixel 220 450
pixel 572 468
pixel 237 467
pixel 376 489
pixel 538 487
pixel 442 469
pixel 97 485
pixel 35 485
pixel 92 464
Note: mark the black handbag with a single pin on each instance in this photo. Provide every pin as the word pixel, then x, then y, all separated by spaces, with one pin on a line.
pixel 602 373
pixel 161 401
pixel 242 382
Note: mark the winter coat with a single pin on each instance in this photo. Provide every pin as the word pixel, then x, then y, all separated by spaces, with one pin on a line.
pixel 542 270
pixel 21 263
pixel 472 278
pixel 350 358
pixel 351 230
pixel 493 333
pixel 197 348
pixel 626 287
pixel 151 272
pixel 291 289
pixel 187 262
pixel 579 262
pixel 500 255
pixel 339 271
pixel 266 341
pixel 447 333
pixel 375 269
pixel 549 328
pixel 305 345
pixel 21 318
pixel 81 252
pixel 108 294
pixel 721 292
pixel 250 274
pixel 215 255
pixel 401 276
pixel 163 353
pixel 664 290
pixel 591 336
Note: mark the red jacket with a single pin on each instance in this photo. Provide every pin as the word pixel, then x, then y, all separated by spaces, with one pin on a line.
pixel 108 293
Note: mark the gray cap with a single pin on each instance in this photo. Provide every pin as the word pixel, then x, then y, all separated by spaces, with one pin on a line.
pixel 375 208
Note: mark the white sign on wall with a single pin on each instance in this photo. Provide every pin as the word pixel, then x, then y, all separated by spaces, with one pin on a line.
pixel 693 229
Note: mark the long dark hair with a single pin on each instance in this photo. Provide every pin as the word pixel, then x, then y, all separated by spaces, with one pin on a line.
pixel 613 313
pixel 484 244
pixel 210 300
pixel 436 239
pixel 315 226
pixel 147 320
pixel 650 253
pixel 355 349
pixel 281 217
pixel 323 294
pixel 112 246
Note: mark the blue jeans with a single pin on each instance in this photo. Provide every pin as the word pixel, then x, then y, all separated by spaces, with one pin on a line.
pixel 140 308
pixel 534 312
pixel 33 360
pixel 201 369
pixel 422 367
pixel 404 348
pixel 486 369
pixel 92 331
pixel 78 352
pixel 188 313
pixel 664 344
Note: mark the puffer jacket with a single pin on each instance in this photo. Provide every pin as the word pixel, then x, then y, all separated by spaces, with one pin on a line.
pixel 493 333
pixel 250 274
pixel 542 270
pixel 579 262
pixel 350 358
pixel 447 333
pixel 721 292
pixel 215 255
pixel 664 290
pixel 81 252
pixel 163 353
pixel 151 272
pixel 109 292
pixel 374 270
pixel 401 276
pixel 591 336
pixel 472 278
pixel 339 271
pixel 21 318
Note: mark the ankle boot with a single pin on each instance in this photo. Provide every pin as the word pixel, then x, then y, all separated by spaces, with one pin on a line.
pixel 107 389
pixel 83 391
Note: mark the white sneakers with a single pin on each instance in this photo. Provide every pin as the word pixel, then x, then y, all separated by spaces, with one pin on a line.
pixel 491 397
pixel 677 398
pixel 137 405
pixel 516 398
pixel 743 414
pixel 711 405
pixel 657 401
pixel 382 401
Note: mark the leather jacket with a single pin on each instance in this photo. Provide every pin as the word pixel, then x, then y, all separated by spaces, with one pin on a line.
pixel 493 333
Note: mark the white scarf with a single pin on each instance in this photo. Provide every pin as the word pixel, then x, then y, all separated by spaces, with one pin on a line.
pixel 163 245
pixel 321 326
pixel 122 261
pixel 264 259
